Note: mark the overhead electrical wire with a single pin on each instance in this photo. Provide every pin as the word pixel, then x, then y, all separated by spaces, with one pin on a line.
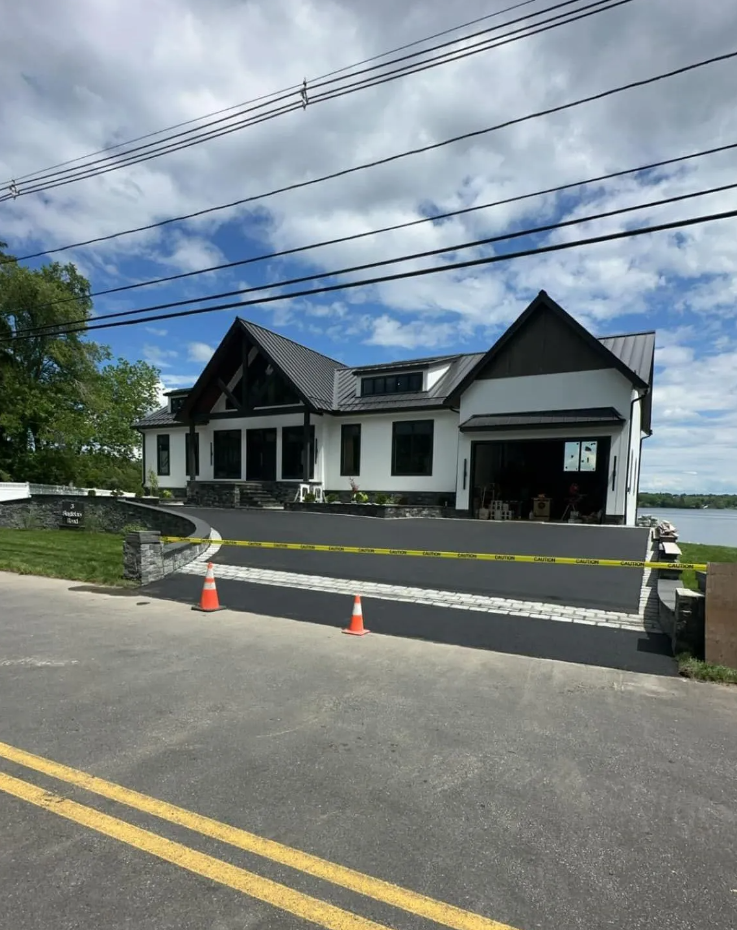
pixel 296 105
pixel 489 260
pixel 397 226
pixel 391 158
pixel 130 158
pixel 82 325
pixel 276 93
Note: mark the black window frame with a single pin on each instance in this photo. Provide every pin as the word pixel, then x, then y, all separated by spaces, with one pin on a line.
pixel 187 437
pixel 163 448
pixel 412 428
pixel 177 403
pixel 218 474
pixel 350 433
pixel 289 436
pixel 409 382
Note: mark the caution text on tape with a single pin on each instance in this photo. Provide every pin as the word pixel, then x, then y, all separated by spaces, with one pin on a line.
pixel 435 554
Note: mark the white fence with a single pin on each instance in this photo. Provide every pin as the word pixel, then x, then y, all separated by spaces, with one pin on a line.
pixel 15 491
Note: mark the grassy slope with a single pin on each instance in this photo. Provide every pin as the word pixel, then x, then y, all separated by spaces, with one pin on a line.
pixel 693 552
pixel 84 556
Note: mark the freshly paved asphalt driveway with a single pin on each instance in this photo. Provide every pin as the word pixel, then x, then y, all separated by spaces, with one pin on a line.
pixel 579 585
pixel 543 795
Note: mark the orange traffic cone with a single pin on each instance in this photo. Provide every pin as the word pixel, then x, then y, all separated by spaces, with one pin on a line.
pixel 209 599
pixel 355 627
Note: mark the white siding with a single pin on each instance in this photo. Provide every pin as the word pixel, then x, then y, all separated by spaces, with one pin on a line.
pixel 178 476
pixel 376 453
pixel 567 391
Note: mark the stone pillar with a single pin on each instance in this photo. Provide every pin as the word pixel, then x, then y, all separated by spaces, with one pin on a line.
pixel 143 557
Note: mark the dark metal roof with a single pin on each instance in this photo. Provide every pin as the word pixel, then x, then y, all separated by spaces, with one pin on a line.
pixel 347 401
pixel 160 417
pixel 330 386
pixel 404 363
pixel 635 350
pixel 311 372
pixel 536 419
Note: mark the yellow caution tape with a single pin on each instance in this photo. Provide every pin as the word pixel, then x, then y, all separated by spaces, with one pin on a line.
pixel 433 554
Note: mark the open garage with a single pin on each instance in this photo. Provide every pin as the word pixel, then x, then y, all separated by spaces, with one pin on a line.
pixel 555 479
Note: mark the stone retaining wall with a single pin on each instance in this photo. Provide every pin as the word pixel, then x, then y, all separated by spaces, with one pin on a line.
pixel 387 511
pixel 102 514
pixel 145 557
pixel 220 494
pixel 682 616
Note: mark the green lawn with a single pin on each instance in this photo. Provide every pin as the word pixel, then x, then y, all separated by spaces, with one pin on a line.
pixel 83 556
pixel 692 552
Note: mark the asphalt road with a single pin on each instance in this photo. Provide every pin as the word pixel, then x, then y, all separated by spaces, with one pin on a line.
pixel 525 636
pixel 582 586
pixel 539 794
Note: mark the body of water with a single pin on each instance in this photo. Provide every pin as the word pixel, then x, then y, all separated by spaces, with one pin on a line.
pixel 710 527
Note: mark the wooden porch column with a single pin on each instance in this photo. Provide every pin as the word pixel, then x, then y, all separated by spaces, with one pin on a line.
pixel 306 448
pixel 192 464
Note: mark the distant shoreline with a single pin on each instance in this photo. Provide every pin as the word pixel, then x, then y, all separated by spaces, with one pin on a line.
pixel 645 507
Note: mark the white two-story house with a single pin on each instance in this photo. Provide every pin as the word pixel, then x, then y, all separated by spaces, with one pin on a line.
pixel 548 412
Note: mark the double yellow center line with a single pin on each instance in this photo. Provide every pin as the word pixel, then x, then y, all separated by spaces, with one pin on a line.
pixel 249 883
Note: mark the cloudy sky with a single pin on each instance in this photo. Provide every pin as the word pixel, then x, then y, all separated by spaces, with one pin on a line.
pixel 83 75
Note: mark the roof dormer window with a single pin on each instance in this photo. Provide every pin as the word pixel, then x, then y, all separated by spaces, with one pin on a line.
pixel 409 383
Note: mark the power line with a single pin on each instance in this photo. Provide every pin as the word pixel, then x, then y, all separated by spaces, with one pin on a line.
pixel 276 93
pixel 391 158
pixel 60 329
pixel 558 247
pixel 128 158
pixel 375 232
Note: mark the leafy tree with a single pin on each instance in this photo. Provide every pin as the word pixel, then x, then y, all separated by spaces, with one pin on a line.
pixel 66 406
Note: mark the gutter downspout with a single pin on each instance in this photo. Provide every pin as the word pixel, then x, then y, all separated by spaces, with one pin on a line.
pixel 638 399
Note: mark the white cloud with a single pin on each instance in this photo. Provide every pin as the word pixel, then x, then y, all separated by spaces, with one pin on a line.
pixel 199 352
pixel 158 356
pixel 61 101
pixel 155 331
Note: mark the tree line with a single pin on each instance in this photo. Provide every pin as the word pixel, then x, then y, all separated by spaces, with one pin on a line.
pixel 687 501
pixel 66 403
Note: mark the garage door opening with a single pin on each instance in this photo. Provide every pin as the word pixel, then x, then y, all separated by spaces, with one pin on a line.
pixel 541 479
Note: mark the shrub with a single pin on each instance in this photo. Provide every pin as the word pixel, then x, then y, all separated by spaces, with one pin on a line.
pixel 167 494
pixel 309 498
pixel 92 493
pixel 153 483
pixel 332 498
pixel 133 528
pixel 381 499
pixel 360 498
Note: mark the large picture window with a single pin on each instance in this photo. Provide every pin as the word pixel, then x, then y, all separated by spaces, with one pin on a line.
pixel 187 444
pixel 163 458
pixel 409 383
pixel 412 447
pixel 292 444
pixel 350 449
pixel 227 453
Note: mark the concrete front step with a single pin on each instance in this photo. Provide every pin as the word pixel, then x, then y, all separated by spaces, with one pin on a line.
pixel 253 494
